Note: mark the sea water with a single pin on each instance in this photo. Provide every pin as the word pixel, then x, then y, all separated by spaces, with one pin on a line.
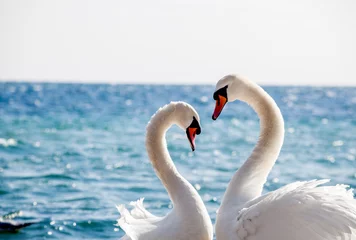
pixel 70 152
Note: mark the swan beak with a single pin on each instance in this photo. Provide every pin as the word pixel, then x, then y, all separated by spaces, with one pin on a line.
pixel 220 103
pixel 191 133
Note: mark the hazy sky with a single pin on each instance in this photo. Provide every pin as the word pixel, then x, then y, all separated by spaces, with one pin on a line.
pixel 179 41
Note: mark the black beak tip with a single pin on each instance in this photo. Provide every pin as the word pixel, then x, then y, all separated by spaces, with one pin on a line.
pixel 198 132
pixel 214 118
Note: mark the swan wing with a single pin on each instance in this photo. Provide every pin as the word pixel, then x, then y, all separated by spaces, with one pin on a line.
pixel 136 222
pixel 299 211
pixel 139 211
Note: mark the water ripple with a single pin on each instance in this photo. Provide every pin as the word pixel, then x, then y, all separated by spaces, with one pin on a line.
pixel 70 152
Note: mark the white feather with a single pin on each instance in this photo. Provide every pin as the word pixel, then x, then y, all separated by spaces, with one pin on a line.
pixel 302 210
pixel 137 222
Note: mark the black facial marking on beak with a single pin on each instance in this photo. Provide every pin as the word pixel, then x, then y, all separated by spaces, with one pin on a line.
pixel 192 130
pixel 221 92
pixel 220 96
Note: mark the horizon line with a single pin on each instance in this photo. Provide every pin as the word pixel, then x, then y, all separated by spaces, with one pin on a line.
pixel 107 82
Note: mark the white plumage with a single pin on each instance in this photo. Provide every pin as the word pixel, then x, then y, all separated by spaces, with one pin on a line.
pixel 189 218
pixel 138 221
pixel 298 211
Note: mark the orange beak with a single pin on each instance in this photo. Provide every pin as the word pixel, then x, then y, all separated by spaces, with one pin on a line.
pixel 220 103
pixel 191 133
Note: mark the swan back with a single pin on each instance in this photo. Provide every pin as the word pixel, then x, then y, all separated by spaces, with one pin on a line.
pixel 297 211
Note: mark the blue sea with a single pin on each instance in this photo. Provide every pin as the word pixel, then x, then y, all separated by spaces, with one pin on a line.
pixel 70 152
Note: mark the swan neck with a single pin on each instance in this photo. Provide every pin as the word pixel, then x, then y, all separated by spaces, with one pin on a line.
pixel 249 180
pixel 160 158
pixel 156 144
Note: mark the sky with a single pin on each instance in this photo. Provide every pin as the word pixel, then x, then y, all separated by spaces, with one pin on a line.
pixel 284 42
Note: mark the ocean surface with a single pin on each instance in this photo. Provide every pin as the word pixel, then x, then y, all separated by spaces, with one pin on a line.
pixel 70 152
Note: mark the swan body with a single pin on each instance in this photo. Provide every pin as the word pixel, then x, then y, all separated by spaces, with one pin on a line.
pixel 297 211
pixel 189 218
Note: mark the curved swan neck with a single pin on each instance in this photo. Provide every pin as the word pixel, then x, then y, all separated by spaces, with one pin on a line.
pixel 158 153
pixel 248 181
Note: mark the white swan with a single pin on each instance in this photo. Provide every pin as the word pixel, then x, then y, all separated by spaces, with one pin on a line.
pixel 297 211
pixel 189 218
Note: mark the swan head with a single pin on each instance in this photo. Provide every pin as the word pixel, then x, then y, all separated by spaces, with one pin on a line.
pixel 229 89
pixel 188 119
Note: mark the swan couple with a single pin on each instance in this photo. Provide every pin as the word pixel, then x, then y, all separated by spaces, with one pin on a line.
pixel 297 211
